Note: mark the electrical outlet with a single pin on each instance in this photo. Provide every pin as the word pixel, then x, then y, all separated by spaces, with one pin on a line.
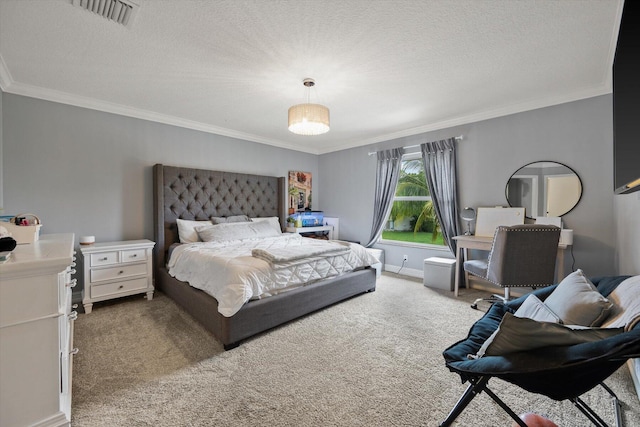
pixel 405 258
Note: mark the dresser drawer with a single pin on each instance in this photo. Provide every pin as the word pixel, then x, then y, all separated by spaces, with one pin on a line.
pixel 104 258
pixel 134 255
pixel 98 291
pixel 118 272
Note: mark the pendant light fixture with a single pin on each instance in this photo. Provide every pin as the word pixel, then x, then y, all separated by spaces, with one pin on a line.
pixel 309 119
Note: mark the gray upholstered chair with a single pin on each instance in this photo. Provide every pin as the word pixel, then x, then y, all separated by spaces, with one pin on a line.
pixel 520 256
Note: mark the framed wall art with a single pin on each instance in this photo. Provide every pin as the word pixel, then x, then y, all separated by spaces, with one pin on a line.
pixel 299 191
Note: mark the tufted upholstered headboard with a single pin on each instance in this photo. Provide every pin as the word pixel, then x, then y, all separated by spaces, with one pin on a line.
pixel 199 194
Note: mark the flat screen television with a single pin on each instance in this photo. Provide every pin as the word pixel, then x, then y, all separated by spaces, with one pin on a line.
pixel 626 102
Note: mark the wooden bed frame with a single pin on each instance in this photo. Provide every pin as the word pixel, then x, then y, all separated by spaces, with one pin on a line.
pixel 197 194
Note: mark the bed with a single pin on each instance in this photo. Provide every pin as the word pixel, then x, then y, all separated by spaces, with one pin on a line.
pixel 196 194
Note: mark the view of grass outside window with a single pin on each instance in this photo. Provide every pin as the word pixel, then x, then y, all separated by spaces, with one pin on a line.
pixel 413 218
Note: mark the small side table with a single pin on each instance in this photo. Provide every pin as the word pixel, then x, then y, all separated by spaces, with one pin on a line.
pixel 116 269
pixel 299 230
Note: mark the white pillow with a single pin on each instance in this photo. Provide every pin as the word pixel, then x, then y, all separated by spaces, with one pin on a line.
pixel 533 308
pixel 236 231
pixel 186 230
pixel 273 220
pixel 577 301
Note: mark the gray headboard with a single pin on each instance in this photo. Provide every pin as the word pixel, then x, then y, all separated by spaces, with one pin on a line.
pixel 198 194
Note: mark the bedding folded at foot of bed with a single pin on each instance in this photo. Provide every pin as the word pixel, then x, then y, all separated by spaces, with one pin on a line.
pixel 285 254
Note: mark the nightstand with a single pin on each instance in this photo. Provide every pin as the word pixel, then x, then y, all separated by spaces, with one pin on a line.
pixel 321 228
pixel 116 269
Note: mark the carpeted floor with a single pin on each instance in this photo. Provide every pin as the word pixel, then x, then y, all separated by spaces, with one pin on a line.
pixel 374 360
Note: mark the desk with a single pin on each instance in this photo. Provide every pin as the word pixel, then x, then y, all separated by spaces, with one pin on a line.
pixel 299 230
pixel 464 243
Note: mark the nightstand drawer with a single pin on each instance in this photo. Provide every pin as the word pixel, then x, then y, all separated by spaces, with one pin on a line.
pixel 118 272
pixel 134 255
pixel 104 258
pixel 98 291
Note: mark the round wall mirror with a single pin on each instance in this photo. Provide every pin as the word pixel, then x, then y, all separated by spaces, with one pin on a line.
pixel 544 188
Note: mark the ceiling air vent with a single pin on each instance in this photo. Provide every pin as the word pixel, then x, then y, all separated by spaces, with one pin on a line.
pixel 119 11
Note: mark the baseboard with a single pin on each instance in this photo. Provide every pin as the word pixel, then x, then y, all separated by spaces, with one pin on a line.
pixel 411 272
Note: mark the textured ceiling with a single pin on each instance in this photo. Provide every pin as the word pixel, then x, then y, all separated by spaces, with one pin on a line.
pixel 385 68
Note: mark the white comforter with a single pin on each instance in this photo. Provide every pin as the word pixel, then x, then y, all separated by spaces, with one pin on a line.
pixel 228 271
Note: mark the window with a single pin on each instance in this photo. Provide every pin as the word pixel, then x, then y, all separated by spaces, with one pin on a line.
pixel 412 218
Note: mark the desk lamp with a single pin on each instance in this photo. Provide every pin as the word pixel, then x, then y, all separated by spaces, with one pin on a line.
pixel 468 215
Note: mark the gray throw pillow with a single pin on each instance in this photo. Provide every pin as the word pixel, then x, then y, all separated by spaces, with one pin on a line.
pixel 577 302
pixel 229 219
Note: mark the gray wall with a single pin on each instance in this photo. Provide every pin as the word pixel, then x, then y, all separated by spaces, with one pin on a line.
pixel 627 207
pixel 89 172
pixel 1 161
pixel 578 134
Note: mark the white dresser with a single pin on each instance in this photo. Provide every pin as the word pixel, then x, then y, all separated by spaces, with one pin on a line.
pixel 36 333
pixel 116 269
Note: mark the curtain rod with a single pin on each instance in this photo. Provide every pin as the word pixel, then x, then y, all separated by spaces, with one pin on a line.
pixel 457 138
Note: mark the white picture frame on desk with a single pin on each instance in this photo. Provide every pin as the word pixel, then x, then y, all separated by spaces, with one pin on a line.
pixel 488 219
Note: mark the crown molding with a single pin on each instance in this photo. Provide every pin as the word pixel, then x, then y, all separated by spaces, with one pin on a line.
pixel 534 104
pixel 9 86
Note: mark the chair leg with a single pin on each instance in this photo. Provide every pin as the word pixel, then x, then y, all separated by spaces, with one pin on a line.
pixel 504 406
pixel 593 416
pixel 477 386
pixel 493 298
pixel 589 413
pixel 617 407
pixel 474 388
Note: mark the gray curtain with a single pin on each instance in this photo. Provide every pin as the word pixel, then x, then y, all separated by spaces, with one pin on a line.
pixel 387 174
pixel 440 162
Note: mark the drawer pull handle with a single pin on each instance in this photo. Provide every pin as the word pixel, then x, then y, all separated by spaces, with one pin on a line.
pixel 121 287
pixel 74 351
pixel 133 256
pixel 103 259
pixel 72 283
pixel 73 315
pixel 121 272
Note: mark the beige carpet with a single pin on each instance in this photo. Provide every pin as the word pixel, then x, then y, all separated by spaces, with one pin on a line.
pixel 374 360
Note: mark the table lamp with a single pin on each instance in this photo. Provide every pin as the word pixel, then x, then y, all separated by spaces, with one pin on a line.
pixel 468 214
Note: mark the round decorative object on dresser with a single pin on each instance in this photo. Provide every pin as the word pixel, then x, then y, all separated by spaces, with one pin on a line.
pixel 87 240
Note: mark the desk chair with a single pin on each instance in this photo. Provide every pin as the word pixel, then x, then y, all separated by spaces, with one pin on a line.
pixel 521 256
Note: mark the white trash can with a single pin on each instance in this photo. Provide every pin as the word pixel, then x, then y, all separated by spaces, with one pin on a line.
pixel 439 273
